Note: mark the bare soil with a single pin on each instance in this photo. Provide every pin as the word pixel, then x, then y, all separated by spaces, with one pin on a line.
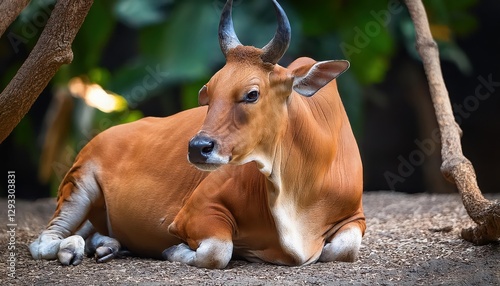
pixel 410 240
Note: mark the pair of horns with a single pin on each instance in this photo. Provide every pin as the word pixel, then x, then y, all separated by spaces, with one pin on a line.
pixel 273 51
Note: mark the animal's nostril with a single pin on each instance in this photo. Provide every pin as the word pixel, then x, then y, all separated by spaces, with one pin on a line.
pixel 209 148
pixel 200 149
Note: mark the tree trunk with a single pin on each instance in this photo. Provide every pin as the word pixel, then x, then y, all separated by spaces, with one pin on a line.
pixel 456 168
pixel 52 50
pixel 10 9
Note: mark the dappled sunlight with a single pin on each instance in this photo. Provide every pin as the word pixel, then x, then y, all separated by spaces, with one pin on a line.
pixel 94 95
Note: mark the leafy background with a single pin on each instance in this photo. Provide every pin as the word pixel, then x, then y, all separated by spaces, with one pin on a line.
pixel 174 45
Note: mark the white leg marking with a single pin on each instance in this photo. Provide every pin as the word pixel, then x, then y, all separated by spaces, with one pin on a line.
pixel 343 247
pixel 180 253
pixel 71 216
pixel 212 253
pixel 45 247
pixel 71 250
pixel 73 213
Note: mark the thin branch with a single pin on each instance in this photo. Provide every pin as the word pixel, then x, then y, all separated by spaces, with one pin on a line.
pixel 456 168
pixel 10 9
pixel 52 50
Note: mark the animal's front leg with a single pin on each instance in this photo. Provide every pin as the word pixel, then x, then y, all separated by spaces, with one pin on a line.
pixel 211 253
pixel 345 244
pixel 205 225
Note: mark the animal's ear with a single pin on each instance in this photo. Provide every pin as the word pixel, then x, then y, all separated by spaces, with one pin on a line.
pixel 308 79
pixel 203 96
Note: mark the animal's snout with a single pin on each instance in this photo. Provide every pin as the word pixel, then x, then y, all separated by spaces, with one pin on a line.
pixel 200 149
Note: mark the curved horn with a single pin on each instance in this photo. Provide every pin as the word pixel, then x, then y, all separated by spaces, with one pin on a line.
pixel 277 47
pixel 227 37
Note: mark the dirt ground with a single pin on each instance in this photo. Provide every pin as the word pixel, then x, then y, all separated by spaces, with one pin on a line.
pixel 410 240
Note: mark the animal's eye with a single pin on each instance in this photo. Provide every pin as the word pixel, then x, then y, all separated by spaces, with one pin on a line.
pixel 252 96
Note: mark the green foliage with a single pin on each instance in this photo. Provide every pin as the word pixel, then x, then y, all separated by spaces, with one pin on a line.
pixel 448 21
pixel 178 46
pixel 24 138
pixel 140 13
pixel 185 45
pixel 454 14
pixel 30 23
pixel 90 41
pixel 100 76
pixel 360 38
pixel 190 94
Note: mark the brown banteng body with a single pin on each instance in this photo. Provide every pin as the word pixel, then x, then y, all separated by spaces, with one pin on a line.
pixel 285 180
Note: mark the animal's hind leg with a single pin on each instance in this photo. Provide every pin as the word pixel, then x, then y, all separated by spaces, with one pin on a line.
pixel 62 238
pixel 344 245
pixel 104 248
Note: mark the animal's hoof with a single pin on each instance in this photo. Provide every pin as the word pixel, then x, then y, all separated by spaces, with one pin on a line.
pixel 45 247
pixel 177 253
pixel 71 250
pixel 105 254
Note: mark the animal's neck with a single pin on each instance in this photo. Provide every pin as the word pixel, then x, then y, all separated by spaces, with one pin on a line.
pixel 309 145
pixel 300 170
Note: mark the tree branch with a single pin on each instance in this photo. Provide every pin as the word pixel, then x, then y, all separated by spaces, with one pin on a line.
pixel 456 168
pixel 10 9
pixel 52 50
